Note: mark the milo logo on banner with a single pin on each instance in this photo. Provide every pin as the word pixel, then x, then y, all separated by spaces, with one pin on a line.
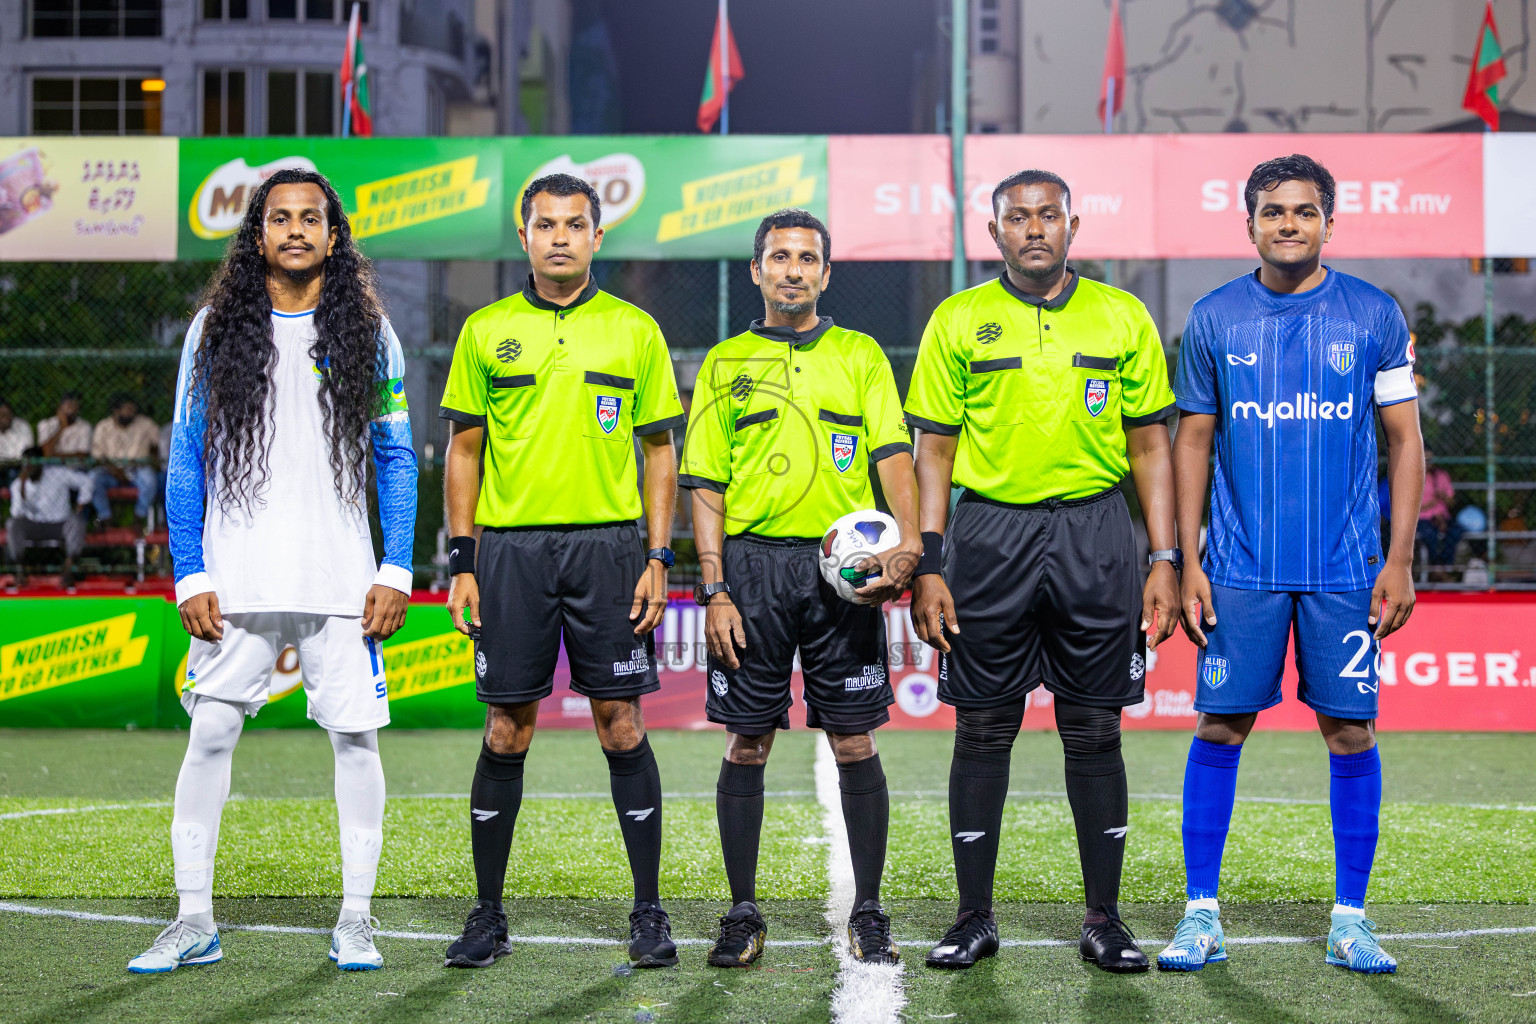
pixel 619 179
pixel 219 202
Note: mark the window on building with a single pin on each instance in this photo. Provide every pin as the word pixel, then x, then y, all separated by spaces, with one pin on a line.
pixel 301 103
pixel 332 11
pixel 224 101
pixel 95 19
pixel 226 10
pixel 96 105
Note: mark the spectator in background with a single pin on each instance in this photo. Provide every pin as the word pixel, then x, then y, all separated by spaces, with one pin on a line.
pixel 125 445
pixel 15 438
pixel 1438 530
pixel 164 452
pixel 65 433
pixel 1518 554
pixel 41 510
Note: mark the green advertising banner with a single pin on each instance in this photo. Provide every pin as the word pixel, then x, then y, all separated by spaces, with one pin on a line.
pixel 664 197
pixel 438 198
pixel 81 662
pixel 676 197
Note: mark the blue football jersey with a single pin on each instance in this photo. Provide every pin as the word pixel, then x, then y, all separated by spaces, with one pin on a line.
pixel 1293 381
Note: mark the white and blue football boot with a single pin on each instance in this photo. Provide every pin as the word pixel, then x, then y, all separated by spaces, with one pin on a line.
pixel 178 945
pixel 1199 940
pixel 352 945
pixel 1351 944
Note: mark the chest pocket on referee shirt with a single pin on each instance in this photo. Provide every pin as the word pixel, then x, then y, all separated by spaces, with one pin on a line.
pixel 999 392
pixel 1093 389
pixel 514 406
pixel 610 405
pixel 843 453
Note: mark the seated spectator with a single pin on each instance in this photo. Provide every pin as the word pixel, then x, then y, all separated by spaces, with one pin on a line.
pixel 15 438
pixel 65 433
pixel 165 459
pixel 1518 554
pixel 125 435
pixel 41 510
pixel 1438 530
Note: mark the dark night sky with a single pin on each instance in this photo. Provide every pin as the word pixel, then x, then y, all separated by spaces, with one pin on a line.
pixel 834 66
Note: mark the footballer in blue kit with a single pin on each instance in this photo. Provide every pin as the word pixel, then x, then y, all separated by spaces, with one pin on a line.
pixel 1287 370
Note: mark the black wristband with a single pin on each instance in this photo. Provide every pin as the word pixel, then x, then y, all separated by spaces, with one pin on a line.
pixel 933 550
pixel 461 555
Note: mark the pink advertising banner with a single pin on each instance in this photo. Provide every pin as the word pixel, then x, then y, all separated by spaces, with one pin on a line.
pixel 1156 196
pixel 1464 662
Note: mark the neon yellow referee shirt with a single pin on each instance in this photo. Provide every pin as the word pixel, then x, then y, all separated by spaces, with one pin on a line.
pixel 786 425
pixel 1039 392
pixel 562 391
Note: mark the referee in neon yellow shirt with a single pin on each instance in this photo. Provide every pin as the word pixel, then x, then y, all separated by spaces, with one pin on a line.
pixel 789 417
pixel 1036 393
pixel 548 390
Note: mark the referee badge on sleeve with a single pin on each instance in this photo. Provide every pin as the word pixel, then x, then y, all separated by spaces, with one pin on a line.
pixel 608 412
pixel 1095 396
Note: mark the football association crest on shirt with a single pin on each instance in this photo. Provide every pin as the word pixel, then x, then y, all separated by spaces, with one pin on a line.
pixel 1341 357
pixel 608 412
pixel 843 448
pixel 1095 395
pixel 1214 670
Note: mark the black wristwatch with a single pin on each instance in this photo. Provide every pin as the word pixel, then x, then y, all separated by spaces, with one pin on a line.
pixel 1173 555
pixel 704 591
pixel 663 555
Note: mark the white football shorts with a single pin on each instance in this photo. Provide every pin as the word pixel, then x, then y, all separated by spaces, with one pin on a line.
pixel 343 670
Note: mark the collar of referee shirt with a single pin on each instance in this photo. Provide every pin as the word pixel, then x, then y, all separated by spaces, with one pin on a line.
pixel 1034 300
pixel 789 335
pixel 537 301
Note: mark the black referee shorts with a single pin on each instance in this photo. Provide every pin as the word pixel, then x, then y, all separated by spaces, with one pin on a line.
pixel 1045 594
pixel 785 605
pixel 536 582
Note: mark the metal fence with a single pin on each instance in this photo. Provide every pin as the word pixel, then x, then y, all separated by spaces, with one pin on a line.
pixel 103 329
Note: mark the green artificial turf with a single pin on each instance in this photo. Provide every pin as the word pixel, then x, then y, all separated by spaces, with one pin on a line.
pixel 1458 851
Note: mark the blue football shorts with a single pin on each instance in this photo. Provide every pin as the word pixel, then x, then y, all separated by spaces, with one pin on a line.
pixel 1337 654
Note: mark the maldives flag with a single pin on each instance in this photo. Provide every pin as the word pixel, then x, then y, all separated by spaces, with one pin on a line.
pixel 1112 81
pixel 357 119
pixel 1482 96
pixel 724 66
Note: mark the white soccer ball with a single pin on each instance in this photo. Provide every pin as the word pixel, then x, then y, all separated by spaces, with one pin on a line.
pixel 848 542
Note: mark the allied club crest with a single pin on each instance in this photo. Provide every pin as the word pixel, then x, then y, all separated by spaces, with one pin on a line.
pixel 1214 670
pixel 608 412
pixel 741 387
pixel 989 332
pixel 1095 396
pixel 509 350
pixel 843 448
pixel 1341 357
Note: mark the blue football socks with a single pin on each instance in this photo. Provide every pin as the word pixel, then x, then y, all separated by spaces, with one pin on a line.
pixel 1354 797
pixel 1210 789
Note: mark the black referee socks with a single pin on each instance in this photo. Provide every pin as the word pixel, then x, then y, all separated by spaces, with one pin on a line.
pixel 1096 789
pixel 636 785
pixel 494 798
pixel 978 789
pixel 867 813
pixel 739 809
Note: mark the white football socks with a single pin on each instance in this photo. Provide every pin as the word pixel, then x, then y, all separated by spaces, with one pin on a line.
pixel 201 789
pixel 360 815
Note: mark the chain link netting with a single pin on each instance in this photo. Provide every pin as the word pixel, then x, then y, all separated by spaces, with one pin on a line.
pixel 104 329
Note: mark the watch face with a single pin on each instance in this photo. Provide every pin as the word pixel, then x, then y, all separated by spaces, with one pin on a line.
pixel 699 594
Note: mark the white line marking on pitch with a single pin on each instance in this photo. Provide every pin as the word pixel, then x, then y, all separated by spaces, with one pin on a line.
pixel 41 811
pixel 560 940
pixel 865 993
